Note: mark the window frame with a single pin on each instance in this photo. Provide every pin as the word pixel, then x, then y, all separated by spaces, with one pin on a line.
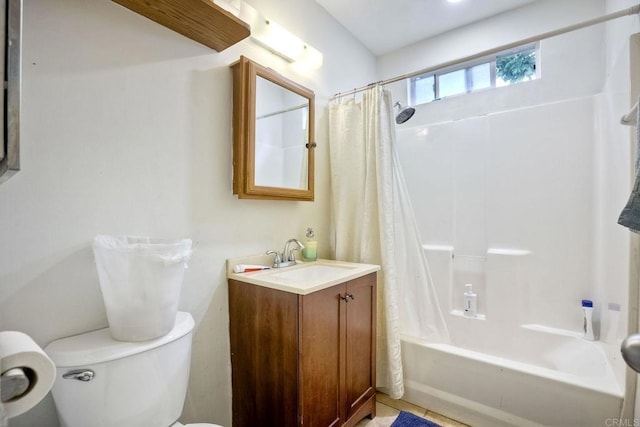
pixel 467 66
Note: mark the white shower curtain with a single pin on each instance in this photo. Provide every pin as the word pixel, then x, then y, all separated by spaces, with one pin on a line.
pixel 374 223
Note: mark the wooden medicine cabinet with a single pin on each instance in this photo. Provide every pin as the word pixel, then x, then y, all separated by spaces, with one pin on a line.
pixel 273 135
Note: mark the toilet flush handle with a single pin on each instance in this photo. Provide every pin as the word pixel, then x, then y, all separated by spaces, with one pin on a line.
pixel 79 374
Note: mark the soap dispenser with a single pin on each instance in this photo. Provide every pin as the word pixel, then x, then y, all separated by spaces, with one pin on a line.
pixel 310 251
pixel 470 301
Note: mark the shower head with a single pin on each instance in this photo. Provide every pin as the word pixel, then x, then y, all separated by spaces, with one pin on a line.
pixel 404 114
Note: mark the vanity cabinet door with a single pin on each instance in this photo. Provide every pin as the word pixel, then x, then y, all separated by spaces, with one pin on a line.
pixel 337 353
pixel 263 327
pixel 322 315
pixel 360 345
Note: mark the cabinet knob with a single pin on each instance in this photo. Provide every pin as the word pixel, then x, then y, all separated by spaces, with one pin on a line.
pixel 347 297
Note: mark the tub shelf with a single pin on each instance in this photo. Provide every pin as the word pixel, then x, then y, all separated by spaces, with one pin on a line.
pixel 460 313
pixel 550 330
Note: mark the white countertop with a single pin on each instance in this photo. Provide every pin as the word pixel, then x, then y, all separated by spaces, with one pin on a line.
pixel 302 278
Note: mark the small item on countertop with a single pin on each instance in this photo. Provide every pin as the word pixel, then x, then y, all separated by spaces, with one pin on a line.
pixel 246 268
pixel 310 250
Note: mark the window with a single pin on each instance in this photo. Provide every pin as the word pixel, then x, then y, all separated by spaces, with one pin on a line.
pixel 421 89
pixel 452 83
pixel 499 70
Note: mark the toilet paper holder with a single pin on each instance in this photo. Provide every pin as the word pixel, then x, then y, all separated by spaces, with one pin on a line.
pixel 13 384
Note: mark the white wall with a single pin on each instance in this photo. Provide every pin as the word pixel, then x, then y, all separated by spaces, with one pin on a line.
pixel 126 129
pixel 530 20
pixel 580 50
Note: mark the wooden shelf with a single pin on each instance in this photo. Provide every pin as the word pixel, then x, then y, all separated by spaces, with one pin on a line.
pixel 199 20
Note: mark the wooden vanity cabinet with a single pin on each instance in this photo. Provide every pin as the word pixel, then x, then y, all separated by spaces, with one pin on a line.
pixel 303 360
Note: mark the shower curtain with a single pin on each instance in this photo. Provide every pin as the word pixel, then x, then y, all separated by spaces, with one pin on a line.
pixel 374 223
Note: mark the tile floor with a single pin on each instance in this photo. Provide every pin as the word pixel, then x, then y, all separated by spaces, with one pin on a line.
pixel 387 410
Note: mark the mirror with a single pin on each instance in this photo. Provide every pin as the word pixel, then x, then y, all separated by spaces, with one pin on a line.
pixel 273 142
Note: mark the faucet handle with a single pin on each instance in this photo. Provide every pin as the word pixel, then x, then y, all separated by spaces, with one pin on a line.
pixel 278 258
pixel 291 256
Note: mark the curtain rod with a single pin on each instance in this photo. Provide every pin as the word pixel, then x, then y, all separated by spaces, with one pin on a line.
pixel 634 10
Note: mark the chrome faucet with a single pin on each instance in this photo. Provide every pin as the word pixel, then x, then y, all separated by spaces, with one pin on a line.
pixel 287 254
pixel 286 257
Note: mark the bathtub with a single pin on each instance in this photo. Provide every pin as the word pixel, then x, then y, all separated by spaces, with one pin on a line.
pixel 550 378
pixel 507 366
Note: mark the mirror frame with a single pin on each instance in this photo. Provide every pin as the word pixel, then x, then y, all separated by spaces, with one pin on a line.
pixel 10 139
pixel 245 73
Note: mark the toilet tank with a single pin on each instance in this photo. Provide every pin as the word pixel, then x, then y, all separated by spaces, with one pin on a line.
pixel 134 384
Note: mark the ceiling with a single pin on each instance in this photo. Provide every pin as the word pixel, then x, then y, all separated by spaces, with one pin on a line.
pixel 386 25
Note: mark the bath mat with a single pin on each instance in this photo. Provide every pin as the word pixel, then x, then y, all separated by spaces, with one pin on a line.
pixel 405 419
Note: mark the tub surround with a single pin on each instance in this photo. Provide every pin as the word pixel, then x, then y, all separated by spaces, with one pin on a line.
pixel 516 380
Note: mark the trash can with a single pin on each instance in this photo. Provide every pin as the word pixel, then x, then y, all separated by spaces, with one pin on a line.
pixel 140 279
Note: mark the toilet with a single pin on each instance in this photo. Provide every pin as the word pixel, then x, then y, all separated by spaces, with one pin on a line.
pixel 101 382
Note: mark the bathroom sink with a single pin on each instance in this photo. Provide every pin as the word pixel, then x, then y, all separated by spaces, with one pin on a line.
pixel 304 277
pixel 313 272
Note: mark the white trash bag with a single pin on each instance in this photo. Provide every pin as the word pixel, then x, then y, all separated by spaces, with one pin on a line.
pixel 140 279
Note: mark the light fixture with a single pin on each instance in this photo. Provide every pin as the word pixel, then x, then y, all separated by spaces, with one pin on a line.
pixel 454 1
pixel 275 38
